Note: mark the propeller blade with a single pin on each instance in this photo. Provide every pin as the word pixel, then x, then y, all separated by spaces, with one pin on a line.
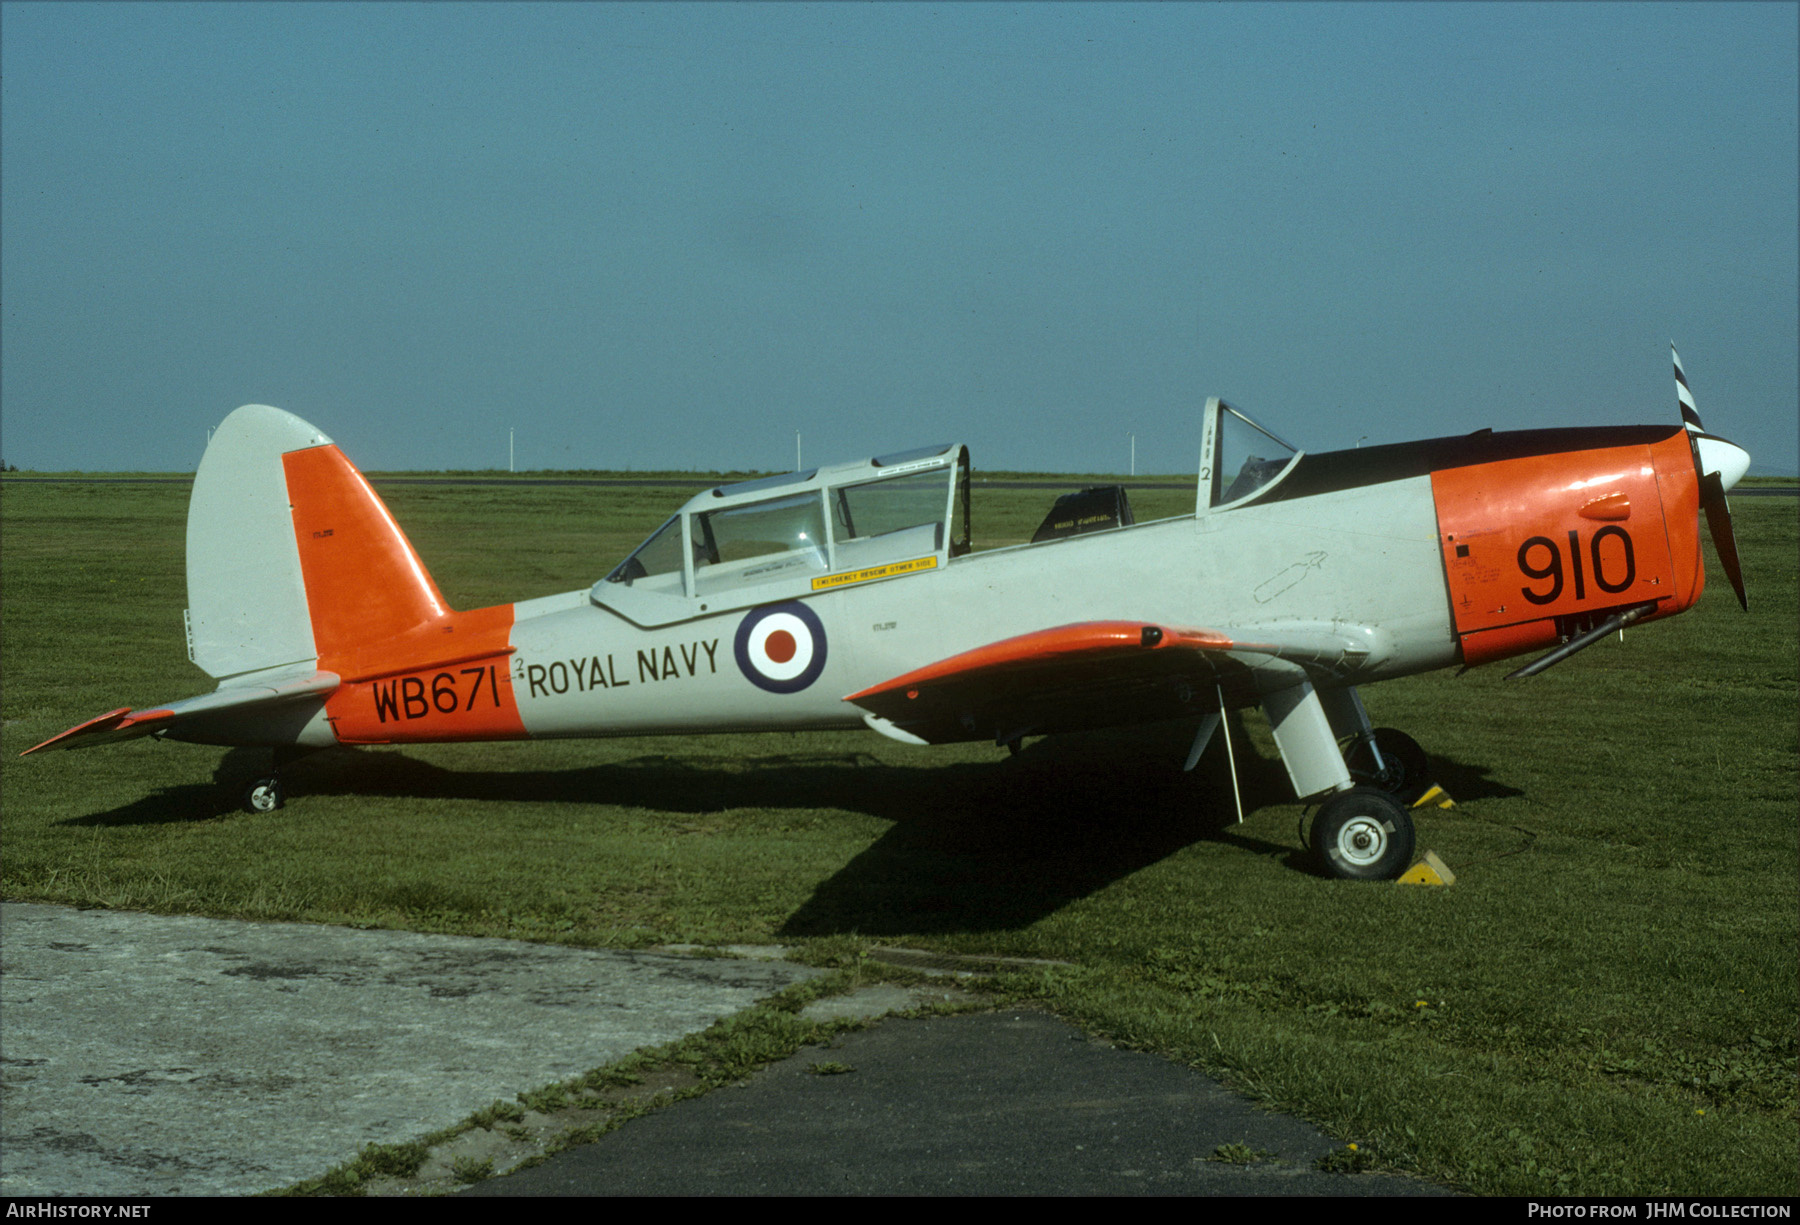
pixel 1718 518
pixel 1719 465
pixel 1684 399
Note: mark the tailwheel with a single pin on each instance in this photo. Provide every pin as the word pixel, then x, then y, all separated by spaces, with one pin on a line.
pixel 264 795
pixel 1404 771
pixel 1363 834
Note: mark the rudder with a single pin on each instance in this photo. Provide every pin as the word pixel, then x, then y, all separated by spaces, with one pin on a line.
pixel 364 582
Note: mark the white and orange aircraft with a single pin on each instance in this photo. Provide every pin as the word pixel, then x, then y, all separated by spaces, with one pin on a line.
pixel 848 596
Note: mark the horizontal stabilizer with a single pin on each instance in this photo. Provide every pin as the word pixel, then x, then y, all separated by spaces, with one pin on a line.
pixel 121 724
pixel 239 699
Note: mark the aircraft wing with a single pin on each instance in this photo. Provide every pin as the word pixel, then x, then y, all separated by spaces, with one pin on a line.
pixel 1099 674
pixel 239 701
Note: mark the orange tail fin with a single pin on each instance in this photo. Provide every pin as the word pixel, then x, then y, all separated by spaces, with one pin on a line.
pixel 364 582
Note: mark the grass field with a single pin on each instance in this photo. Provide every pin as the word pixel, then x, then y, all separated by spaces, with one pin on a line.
pixel 1605 1002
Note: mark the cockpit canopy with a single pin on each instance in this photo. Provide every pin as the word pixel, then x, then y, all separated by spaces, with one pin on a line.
pixel 780 536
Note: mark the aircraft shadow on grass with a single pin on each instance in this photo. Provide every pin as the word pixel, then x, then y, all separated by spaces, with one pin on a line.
pixel 972 846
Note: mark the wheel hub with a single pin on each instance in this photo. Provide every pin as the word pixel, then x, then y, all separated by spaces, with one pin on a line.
pixel 1362 841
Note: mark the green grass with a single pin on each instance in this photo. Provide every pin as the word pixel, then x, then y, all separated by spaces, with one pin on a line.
pixel 1240 1154
pixel 1604 1003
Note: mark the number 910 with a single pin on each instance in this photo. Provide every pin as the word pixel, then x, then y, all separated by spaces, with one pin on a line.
pixel 1541 558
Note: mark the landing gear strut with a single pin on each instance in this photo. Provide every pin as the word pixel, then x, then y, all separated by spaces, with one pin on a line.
pixel 1363 834
pixel 1402 771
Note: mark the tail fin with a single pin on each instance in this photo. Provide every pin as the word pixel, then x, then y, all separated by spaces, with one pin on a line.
pixel 292 558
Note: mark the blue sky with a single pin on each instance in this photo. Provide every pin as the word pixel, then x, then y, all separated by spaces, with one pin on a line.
pixel 671 235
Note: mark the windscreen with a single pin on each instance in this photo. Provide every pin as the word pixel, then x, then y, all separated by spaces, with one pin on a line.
pixel 658 556
pixel 1248 457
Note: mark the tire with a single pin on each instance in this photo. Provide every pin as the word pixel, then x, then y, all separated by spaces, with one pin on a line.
pixel 264 796
pixel 1363 834
pixel 1408 771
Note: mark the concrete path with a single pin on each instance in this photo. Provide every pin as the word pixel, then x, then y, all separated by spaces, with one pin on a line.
pixel 1015 1102
pixel 147 1055
pixel 150 1055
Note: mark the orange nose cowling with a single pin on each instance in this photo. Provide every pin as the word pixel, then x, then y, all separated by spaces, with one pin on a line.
pixel 1540 546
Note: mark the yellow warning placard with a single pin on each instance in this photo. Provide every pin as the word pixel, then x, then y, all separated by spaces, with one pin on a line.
pixel 873 572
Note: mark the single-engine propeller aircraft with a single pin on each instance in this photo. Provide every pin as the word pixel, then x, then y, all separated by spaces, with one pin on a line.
pixel 848 596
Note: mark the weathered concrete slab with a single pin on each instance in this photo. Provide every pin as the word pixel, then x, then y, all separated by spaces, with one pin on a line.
pixel 154 1055
pixel 1015 1102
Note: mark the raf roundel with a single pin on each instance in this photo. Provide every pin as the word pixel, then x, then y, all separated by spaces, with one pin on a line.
pixel 781 648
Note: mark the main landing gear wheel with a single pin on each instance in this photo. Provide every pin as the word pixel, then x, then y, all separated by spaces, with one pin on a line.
pixel 1363 834
pixel 1407 772
pixel 264 795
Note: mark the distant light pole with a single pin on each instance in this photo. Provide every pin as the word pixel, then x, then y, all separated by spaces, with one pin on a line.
pixel 509 449
pixel 797 464
pixel 1133 454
